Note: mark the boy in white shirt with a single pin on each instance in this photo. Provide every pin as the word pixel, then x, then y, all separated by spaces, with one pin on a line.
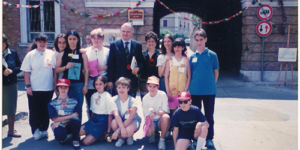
pixel 155 107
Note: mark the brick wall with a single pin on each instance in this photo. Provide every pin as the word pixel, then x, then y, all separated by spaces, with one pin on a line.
pixel 252 60
pixel 11 24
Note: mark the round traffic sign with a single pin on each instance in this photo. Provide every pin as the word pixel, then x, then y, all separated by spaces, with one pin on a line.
pixel 264 12
pixel 264 28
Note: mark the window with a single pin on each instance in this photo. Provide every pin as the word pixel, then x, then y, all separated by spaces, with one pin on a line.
pixel 184 25
pixel 180 24
pixel 41 19
pixel 165 23
pixel 188 25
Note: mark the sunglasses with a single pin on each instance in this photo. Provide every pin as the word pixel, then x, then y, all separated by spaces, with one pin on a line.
pixel 185 102
pixel 72 32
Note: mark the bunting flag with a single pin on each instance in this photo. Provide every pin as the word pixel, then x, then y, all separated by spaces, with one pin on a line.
pixel 97 15
pixel 26 6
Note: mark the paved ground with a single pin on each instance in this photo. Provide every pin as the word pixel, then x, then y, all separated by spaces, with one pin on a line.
pixel 247 116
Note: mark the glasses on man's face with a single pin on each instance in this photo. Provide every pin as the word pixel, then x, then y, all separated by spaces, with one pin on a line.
pixel 72 32
pixel 185 102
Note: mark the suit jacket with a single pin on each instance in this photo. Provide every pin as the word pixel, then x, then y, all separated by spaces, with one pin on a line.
pixel 117 62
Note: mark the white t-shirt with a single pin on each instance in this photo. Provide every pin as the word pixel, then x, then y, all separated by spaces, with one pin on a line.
pixel 102 56
pixel 161 59
pixel 157 103
pixel 39 64
pixel 55 54
pixel 102 104
pixel 124 106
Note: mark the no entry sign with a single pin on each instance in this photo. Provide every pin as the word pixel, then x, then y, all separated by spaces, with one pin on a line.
pixel 264 28
pixel 264 12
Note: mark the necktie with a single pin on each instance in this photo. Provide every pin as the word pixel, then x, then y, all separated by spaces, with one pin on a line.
pixel 127 50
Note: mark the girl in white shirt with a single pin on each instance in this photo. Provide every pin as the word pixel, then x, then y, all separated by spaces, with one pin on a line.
pixel 102 107
pixel 96 54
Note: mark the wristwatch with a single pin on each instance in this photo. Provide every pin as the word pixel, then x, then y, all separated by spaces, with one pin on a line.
pixel 153 111
pixel 28 85
pixel 185 89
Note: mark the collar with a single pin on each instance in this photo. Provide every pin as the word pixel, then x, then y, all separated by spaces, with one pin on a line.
pixel 126 41
pixel 7 51
pixel 205 51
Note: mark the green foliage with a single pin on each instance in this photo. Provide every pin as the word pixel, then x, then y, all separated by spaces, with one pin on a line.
pixel 163 32
pixel 196 18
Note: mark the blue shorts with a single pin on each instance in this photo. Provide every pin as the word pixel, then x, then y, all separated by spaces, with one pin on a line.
pixel 156 125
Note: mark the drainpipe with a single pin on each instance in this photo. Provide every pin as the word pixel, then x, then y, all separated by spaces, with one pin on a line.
pixel 262 59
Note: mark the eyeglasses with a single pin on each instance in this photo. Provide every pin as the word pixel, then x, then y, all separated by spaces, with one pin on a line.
pixel 72 32
pixel 185 102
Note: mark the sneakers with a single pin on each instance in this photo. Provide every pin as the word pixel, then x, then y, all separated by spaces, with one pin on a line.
pixel 130 141
pixel 14 133
pixel 209 144
pixel 44 134
pixel 152 138
pixel 37 135
pixel 161 144
pixel 119 143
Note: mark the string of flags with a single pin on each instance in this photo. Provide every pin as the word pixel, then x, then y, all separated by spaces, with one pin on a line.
pixel 99 16
pixel 26 6
pixel 138 4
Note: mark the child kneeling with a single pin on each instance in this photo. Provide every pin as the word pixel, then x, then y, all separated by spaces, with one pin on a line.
pixel 102 108
pixel 63 111
pixel 189 123
pixel 127 122
pixel 155 107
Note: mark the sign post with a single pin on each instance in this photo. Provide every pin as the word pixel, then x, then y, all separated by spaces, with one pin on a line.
pixel 136 16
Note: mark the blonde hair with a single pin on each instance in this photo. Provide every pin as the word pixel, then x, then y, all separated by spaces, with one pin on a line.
pixel 97 32
pixel 123 81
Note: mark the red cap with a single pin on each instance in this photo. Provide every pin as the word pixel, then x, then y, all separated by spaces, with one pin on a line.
pixel 63 82
pixel 184 95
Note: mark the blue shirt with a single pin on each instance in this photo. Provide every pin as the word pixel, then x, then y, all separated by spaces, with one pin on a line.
pixel 202 72
pixel 60 108
pixel 186 121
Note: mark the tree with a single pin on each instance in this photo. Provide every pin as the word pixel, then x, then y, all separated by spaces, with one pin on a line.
pixel 163 32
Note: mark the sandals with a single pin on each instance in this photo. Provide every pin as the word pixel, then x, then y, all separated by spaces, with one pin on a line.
pixel 14 133
pixel 76 145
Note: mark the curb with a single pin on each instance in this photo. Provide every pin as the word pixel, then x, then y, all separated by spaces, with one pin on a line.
pixel 18 116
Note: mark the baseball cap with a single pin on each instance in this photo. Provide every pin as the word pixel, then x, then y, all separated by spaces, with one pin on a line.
pixel 153 79
pixel 63 82
pixel 184 95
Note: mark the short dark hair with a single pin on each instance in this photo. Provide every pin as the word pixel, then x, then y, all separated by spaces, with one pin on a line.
pixel 101 78
pixel 152 35
pixel 61 35
pixel 73 32
pixel 163 48
pixel 4 39
pixel 179 42
pixel 200 32
pixel 41 37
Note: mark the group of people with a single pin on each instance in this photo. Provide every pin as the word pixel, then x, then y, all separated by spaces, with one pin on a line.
pixel 110 78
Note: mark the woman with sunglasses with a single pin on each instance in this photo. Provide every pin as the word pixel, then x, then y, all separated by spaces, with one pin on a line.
pixel 38 75
pixel 189 124
pixel 73 63
pixel 59 45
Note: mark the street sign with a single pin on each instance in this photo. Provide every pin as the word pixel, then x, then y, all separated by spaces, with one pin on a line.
pixel 264 28
pixel 136 16
pixel 264 12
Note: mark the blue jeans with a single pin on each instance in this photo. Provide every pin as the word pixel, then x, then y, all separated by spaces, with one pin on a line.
pixel 162 85
pixel 209 108
pixel 75 91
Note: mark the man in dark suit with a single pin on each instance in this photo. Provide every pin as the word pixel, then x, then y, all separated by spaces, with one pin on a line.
pixel 120 57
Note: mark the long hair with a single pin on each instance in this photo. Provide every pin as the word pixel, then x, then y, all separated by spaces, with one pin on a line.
pixel 73 32
pixel 179 42
pixel 61 35
pixel 163 48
